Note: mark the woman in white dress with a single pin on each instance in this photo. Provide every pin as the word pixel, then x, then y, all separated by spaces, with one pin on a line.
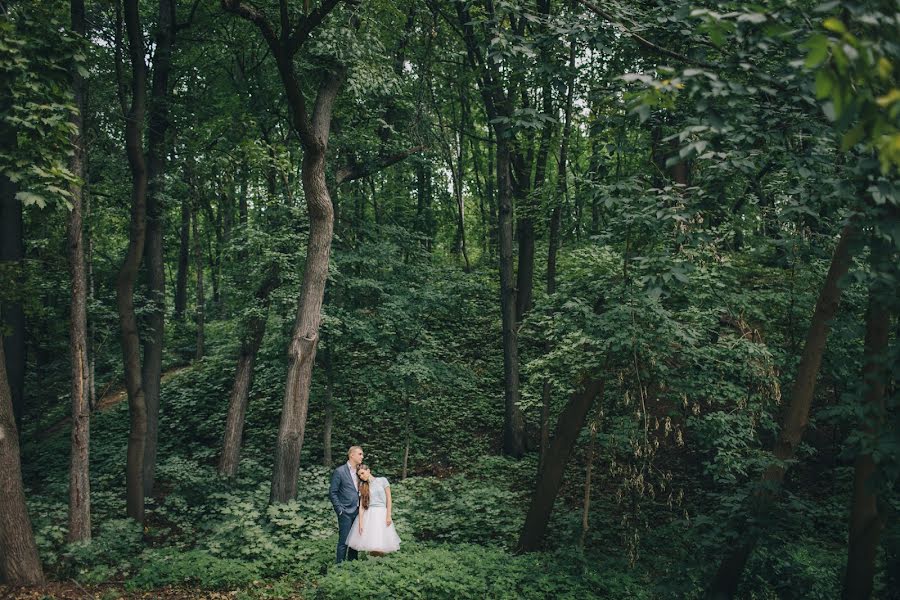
pixel 373 531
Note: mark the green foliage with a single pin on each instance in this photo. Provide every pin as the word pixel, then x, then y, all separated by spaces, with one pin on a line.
pixel 469 571
pixel 168 566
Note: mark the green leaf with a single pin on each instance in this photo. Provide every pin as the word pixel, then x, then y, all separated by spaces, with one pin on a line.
pixel 824 84
pixel 29 198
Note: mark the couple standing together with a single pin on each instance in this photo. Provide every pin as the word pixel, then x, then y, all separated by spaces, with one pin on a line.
pixel 363 506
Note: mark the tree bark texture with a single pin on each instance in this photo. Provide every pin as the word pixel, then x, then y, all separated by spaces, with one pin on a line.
pixel 79 473
pixel 795 419
pixel 19 562
pixel 134 125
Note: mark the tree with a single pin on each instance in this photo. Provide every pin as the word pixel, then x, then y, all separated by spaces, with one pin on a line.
pixel 79 474
pixel 313 129
pixel 19 562
pixel 125 281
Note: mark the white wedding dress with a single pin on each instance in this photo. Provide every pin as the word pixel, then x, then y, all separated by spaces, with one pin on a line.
pixel 377 536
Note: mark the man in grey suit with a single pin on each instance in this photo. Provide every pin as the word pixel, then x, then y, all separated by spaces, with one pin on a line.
pixel 344 494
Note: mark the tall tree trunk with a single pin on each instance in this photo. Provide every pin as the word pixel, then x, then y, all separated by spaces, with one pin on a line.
pixel 12 254
pixel 158 121
pixel 794 421
pixel 513 423
pixel 305 337
pixel 19 562
pixel 184 252
pixel 567 429
pixel 79 474
pixel 200 310
pixel 866 520
pixel 134 125
pixel 243 378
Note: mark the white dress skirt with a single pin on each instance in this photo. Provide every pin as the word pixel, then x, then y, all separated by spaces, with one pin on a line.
pixel 376 535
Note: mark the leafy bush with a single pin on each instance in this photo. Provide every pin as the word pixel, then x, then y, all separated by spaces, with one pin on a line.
pixel 469 571
pixel 168 566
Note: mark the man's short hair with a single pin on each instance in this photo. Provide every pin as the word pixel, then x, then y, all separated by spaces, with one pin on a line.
pixel 352 448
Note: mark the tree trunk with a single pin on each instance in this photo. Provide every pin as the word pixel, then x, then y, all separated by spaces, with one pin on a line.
pixel 79 474
pixel 158 121
pixel 305 338
pixel 866 520
pixel 794 421
pixel 513 423
pixel 184 250
pixel 243 379
pixel 405 470
pixel 200 311
pixel 586 508
pixel 12 315
pixel 134 125
pixel 19 562
pixel 567 429
pixel 328 425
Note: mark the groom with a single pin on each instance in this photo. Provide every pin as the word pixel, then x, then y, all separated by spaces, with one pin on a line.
pixel 344 494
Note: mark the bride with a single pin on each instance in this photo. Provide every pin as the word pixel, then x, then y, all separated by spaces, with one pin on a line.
pixel 373 531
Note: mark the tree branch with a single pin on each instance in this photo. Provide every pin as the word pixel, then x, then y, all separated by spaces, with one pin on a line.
pixel 307 24
pixel 358 171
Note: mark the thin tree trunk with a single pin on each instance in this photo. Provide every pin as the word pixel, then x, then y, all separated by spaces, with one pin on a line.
pixel 134 125
pixel 794 421
pixel 158 121
pixel 19 562
pixel 328 426
pixel 79 474
pixel 184 251
pixel 567 429
pixel 513 423
pixel 866 520
pixel 405 470
pixel 588 471
pixel 243 379
pixel 200 310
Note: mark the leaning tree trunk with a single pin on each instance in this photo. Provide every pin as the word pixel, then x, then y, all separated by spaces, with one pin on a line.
pixel 305 337
pixel 243 378
pixel 568 427
pixel 866 520
pixel 79 473
pixel 727 578
pixel 134 125
pixel 158 121
pixel 19 562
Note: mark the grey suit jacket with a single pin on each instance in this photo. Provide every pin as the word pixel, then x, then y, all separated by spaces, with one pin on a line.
pixel 343 494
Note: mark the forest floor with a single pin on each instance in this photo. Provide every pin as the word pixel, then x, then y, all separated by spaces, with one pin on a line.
pixel 71 590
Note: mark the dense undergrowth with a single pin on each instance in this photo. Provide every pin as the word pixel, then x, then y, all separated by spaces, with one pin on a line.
pixel 458 513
